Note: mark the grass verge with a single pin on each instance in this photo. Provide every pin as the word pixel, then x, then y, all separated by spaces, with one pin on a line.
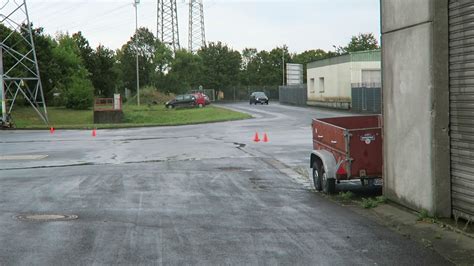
pixel 134 116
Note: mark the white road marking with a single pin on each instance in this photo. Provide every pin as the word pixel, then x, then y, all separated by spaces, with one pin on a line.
pixel 22 157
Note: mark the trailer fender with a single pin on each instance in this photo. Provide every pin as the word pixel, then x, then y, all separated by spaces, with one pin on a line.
pixel 328 160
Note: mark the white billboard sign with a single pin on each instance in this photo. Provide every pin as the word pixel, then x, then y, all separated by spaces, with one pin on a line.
pixel 294 74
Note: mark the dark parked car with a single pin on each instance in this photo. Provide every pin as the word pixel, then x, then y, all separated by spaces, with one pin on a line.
pixel 258 97
pixel 186 100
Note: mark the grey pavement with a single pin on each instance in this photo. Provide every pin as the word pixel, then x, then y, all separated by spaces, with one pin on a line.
pixel 202 194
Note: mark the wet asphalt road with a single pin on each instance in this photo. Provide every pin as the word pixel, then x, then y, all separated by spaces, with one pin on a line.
pixel 203 194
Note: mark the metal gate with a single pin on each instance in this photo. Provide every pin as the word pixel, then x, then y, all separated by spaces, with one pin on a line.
pixel 294 94
pixel 366 98
pixel 461 72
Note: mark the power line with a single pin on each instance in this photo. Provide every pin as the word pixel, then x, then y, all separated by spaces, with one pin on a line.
pixel 97 18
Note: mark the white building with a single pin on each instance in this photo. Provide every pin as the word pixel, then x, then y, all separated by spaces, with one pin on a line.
pixel 330 80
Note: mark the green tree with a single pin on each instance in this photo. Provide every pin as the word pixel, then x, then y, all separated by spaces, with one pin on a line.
pixel 307 57
pixel 48 68
pixel 80 92
pixel 153 59
pixel 250 67
pixel 361 42
pixel 185 72
pixel 162 60
pixel 72 80
pixel 103 73
pixel 100 65
pixel 220 66
pixel 85 50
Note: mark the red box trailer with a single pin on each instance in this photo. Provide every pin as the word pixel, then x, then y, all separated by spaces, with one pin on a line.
pixel 346 148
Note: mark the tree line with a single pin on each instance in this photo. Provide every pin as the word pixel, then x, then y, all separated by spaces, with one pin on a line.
pixel 73 72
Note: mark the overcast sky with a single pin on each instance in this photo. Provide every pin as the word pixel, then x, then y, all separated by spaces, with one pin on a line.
pixel 261 24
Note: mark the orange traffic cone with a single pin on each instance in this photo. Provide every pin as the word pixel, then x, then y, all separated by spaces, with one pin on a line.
pixel 94 133
pixel 256 138
pixel 51 130
pixel 265 137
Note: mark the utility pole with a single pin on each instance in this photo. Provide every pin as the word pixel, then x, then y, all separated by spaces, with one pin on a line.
pixel 197 32
pixel 167 30
pixel 136 45
pixel 19 71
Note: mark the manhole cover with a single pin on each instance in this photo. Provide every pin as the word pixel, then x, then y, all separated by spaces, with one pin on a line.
pixel 46 217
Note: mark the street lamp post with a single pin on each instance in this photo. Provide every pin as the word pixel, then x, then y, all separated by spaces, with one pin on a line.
pixel 136 46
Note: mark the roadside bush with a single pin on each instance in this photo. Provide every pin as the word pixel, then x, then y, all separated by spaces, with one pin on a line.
pixel 425 216
pixel 369 203
pixel 150 95
pixel 80 93
pixel 345 196
pixel 381 199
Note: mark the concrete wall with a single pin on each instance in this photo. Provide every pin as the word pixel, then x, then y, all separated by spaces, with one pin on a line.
pixel 337 79
pixel 108 117
pixel 416 104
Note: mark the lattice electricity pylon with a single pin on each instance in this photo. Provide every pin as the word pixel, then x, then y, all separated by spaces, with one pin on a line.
pixel 167 26
pixel 19 72
pixel 197 33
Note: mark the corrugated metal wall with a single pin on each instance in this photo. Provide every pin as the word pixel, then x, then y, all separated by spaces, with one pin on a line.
pixel 461 42
pixel 294 95
pixel 366 100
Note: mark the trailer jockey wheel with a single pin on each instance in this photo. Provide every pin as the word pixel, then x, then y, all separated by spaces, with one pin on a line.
pixel 317 174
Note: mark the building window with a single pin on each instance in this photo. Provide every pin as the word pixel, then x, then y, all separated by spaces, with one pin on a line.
pixel 311 85
pixel 321 84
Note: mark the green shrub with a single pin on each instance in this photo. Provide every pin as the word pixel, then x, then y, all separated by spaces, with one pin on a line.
pixel 80 93
pixel 345 196
pixel 369 203
pixel 424 215
pixel 150 95
pixel 381 199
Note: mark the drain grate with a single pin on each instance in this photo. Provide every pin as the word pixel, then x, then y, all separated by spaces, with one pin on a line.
pixel 46 217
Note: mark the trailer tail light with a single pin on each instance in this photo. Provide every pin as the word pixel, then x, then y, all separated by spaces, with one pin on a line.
pixel 341 170
pixel 341 173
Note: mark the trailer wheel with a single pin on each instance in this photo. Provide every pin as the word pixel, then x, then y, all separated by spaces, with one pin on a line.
pixel 317 174
pixel 329 184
